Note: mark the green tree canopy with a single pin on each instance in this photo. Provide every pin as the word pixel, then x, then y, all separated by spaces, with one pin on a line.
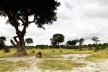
pixel 95 39
pixel 19 12
pixel 29 41
pixel 81 40
pixel 72 42
pixel 56 39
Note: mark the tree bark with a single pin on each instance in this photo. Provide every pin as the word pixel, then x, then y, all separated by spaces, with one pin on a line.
pixel 21 51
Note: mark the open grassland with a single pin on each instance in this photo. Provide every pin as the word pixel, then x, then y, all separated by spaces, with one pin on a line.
pixel 9 66
pixel 58 64
pixel 50 53
pixel 56 53
pixel 50 59
pixel 8 54
pixel 99 55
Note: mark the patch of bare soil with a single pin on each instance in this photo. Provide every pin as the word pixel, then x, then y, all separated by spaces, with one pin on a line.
pixel 101 66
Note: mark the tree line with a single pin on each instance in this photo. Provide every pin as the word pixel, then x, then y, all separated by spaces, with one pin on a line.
pixel 55 43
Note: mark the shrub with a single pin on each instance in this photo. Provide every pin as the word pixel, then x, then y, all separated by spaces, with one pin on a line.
pixel 32 51
pixel 6 49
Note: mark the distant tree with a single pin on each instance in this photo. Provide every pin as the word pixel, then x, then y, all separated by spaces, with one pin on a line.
pixel 69 43
pixel 72 43
pixel 18 13
pixel 56 39
pixel 90 47
pixel 95 39
pixel 81 40
pixel 2 38
pixel 29 41
pixel 2 42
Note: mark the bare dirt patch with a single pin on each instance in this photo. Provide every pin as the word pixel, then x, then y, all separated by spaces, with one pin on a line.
pixel 101 66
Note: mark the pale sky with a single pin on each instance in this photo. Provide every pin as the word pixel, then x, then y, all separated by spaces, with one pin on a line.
pixel 76 19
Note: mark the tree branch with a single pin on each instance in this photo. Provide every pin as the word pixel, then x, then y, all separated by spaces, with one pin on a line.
pixel 12 42
pixel 16 39
pixel 20 19
pixel 25 25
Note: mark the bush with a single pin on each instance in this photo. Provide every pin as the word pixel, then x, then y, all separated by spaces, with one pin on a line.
pixel 103 47
pixel 32 51
pixel 6 49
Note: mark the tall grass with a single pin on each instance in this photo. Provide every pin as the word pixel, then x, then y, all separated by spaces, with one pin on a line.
pixel 7 54
pixel 99 55
pixel 46 52
pixel 9 66
pixel 58 64
pixel 50 53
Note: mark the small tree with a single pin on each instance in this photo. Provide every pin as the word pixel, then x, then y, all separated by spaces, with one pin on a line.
pixel 96 40
pixel 74 42
pixel 29 41
pixel 56 39
pixel 81 40
pixel 69 43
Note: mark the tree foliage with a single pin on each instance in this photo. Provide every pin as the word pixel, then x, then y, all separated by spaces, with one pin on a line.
pixel 81 40
pixel 56 39
pixel 19 13
pixel 72 42
pixel 29 40
pixel 95 39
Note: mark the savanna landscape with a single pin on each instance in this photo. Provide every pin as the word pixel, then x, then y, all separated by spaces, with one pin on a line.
pixel 76 42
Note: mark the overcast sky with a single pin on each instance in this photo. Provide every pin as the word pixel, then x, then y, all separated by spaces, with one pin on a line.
pixel 76 19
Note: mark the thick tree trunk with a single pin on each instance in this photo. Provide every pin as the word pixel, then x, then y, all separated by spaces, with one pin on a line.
pixel 20 53
pixel 21 48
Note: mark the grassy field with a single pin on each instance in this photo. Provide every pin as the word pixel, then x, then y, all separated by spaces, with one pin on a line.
pixel 9 66
pixel 58 64
pixel 46 52
pixel 51 53
pixel 99 55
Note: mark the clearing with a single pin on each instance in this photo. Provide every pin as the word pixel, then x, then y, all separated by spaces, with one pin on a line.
pixel 100 66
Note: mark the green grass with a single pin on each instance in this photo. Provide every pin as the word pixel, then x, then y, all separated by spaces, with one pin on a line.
pixel 58 64
pixel 49 53
pixel 9 54
pixel 9 66
pixel 50 64
pixel 99 55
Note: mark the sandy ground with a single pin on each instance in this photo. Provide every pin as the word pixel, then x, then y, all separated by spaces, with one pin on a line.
pixel 101 66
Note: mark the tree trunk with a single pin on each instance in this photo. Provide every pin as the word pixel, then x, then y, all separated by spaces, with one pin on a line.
pixel 21 48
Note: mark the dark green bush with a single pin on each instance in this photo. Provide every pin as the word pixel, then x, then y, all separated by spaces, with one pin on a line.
pixel 6 49
pixel 32 51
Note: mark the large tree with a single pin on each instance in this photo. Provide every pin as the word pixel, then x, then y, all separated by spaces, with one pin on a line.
pixel 56 39
pixel 29 41
pixel 19 13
